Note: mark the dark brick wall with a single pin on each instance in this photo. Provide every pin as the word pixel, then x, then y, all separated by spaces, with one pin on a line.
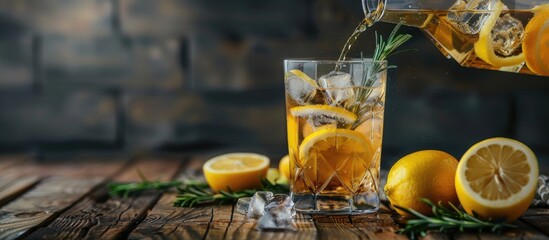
pixel 178 75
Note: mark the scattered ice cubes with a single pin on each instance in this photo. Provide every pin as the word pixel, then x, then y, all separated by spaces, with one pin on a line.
pixel 258 201
pixel 299 90
pixel 275 212
pixel 281 200
pixel 507 35
pixel 277 218
pixel 338 87
pixel 242 205
pixel 469 15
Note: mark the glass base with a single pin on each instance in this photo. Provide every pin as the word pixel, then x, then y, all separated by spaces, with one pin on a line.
pixel 336 204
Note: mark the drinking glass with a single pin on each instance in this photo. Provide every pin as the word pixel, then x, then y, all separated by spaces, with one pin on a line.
pixel 335 126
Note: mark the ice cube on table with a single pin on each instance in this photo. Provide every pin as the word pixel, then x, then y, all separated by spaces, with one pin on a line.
pixel 258 201
pixel 277 218
pixel 299 90
pixel 469 15
pixel 281 200
pixel 507 35
pixel 338 87
pixel 242 205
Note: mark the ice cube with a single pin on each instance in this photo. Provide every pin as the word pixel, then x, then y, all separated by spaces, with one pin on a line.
pixel 242 205
pixel 338 87
pixel 507 35
pixel 277 218
pixel 299 90
pixel 257 204
pixel 281 200
pixel 469 15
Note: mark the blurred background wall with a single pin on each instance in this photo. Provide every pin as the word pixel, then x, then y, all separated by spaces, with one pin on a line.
pixel 196 75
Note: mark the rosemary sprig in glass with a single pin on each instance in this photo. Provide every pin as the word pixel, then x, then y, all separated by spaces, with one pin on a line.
pixel 192 192
pixel 447 220
pixel 383 50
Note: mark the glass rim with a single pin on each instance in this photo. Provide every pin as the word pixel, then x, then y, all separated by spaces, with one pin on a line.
pixel 325 61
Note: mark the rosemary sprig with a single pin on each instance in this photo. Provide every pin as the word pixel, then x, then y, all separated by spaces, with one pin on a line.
pixel 189 196
pixel 191 192
pixel 447 220
pixel 125 189
pixel 383 50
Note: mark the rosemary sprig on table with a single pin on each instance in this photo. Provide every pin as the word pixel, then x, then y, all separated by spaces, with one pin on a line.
pixel 189 196
pixel 125 189
pixel 192 192
pixel 447 220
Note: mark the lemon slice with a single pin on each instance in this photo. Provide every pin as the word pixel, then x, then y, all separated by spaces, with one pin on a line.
pixel 311 111
pixel 484 48
pixel 236 171
pixel 330 152
pixel 536 42
pixel 497 178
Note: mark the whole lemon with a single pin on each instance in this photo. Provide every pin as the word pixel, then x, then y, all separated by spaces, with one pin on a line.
pixel 423 174
pixel 284 166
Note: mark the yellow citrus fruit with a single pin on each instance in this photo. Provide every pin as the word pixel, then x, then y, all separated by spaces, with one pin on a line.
pixel 331 150
pixel 422 174
pixel 496 178
pixel 236 171
pixel 284 167
pixel 324 110
pixel 484 48
pixel 536 41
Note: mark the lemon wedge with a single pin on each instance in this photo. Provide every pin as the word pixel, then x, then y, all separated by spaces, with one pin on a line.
pixel 311 111
pixel 536 42
pixel 497 178
pixel 484 48
pixel 236 171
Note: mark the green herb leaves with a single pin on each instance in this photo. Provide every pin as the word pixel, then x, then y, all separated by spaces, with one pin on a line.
pixel 447 220
pixel 192 192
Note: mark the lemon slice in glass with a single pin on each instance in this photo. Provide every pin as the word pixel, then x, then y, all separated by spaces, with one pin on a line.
pixel 330 151
pixel 326 111
pixel 484 48
pixel 236 171
pixel 497 178
pixel 536 43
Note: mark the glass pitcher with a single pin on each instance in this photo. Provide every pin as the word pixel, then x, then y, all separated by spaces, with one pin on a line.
pixel 504 35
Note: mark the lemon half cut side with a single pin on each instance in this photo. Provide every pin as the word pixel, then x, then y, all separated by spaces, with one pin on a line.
pixel 236 171
pixel 497 178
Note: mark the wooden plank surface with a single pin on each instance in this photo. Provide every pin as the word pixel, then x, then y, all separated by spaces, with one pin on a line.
pixel 50 197
pixel 69 200
pixel 166 221
pixel 99 216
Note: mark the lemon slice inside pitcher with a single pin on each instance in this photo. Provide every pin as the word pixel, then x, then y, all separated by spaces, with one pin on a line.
pixel 484 47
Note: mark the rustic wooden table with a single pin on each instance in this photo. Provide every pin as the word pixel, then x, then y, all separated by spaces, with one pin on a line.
pixel 69 200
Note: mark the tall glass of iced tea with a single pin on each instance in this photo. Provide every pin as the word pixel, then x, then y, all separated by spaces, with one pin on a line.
pixel 335 127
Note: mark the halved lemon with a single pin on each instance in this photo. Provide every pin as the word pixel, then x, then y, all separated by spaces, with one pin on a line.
pixel 484 48
pixel 496 178
pixel 331 151
pixel 311 111
pixel 536 42
pixel 236 171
